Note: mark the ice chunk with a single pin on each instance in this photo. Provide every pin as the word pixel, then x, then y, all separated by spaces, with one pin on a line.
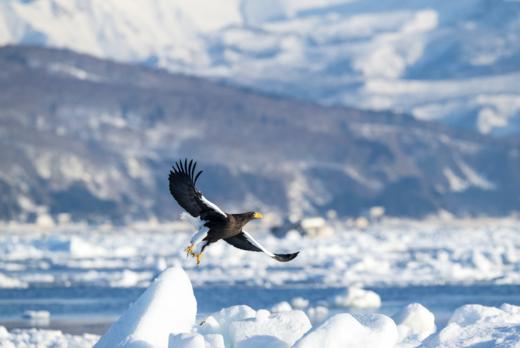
pixel 262 342
pixel 318 314
pixel 269 330
pixel 3 331
pixel 186 340
pixel 167 307
pixel 343 330
pixel 195 340
pixel 299 303
pixel 357 297
pixel 81 248
pixel 214 341
pixel 10 282
pixel 281 307
pixel 125 279
pixel 37 318
pixel 218 323
pixel 235 313
pixel 482 326
pixel 414 323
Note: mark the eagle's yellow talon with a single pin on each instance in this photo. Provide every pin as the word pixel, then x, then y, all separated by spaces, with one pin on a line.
pixel 189 251
pixel 198 257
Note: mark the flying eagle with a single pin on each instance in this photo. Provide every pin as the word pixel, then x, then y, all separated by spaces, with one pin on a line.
pixel 212 222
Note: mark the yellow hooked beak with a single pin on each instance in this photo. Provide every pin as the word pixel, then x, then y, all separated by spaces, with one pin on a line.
pixel 257 215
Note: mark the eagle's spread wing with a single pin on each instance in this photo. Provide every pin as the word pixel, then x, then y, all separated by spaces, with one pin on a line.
pixel 245 241
pixel 182 181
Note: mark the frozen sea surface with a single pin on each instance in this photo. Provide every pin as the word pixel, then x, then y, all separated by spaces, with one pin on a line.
pixel 85 277
pixel 78 310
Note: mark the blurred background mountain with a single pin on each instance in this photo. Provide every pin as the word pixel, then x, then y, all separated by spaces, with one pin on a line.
pixel 294 107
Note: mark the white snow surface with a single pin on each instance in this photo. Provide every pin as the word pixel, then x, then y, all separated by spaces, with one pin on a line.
pixel 394 252
pixel 480 326
pixel 277 329
pixel 414 323
pixel 455 60
pixel 469 326
pixel 344 330
pixel 167 307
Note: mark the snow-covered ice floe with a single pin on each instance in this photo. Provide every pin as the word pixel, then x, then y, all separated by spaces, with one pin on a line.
pixel 167 307
pixel 393 253
pixel 164 317
pixel 356 297
pixel 480 326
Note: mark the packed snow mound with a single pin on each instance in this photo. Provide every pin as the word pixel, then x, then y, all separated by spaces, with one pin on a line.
pixel 167 307
pixel 283 306
pixel 480 326
pixel 219 323
pixel 318 314
pixel 241 326
pixel 344 330
pixel 356 297
pixel 278 329
pixel 414 323
pixel 299 303
pixel 196 340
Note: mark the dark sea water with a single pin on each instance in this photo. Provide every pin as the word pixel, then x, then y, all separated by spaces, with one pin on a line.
pixel 92 309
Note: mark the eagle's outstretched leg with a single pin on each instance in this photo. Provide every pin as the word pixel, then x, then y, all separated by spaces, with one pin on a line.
pixel 198 255
pixel 197 241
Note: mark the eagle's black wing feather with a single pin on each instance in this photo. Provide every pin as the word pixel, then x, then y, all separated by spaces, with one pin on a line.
pixel 245 241
pixel 182 181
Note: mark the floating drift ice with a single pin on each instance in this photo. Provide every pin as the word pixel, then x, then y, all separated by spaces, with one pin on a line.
pixel 414 324
pixel 344 330
pixel 164 317
pixel 278 329
pixel 356 297
pixel 243 327
pixel 479 326
pixel 406 253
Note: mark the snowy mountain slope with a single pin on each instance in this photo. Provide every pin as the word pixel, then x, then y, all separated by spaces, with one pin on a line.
pixel 455 61
pixel 95 139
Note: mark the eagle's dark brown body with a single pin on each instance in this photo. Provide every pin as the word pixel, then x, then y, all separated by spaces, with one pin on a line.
pixel 227 228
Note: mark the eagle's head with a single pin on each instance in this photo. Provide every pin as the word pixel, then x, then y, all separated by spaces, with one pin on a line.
pixel 243 218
